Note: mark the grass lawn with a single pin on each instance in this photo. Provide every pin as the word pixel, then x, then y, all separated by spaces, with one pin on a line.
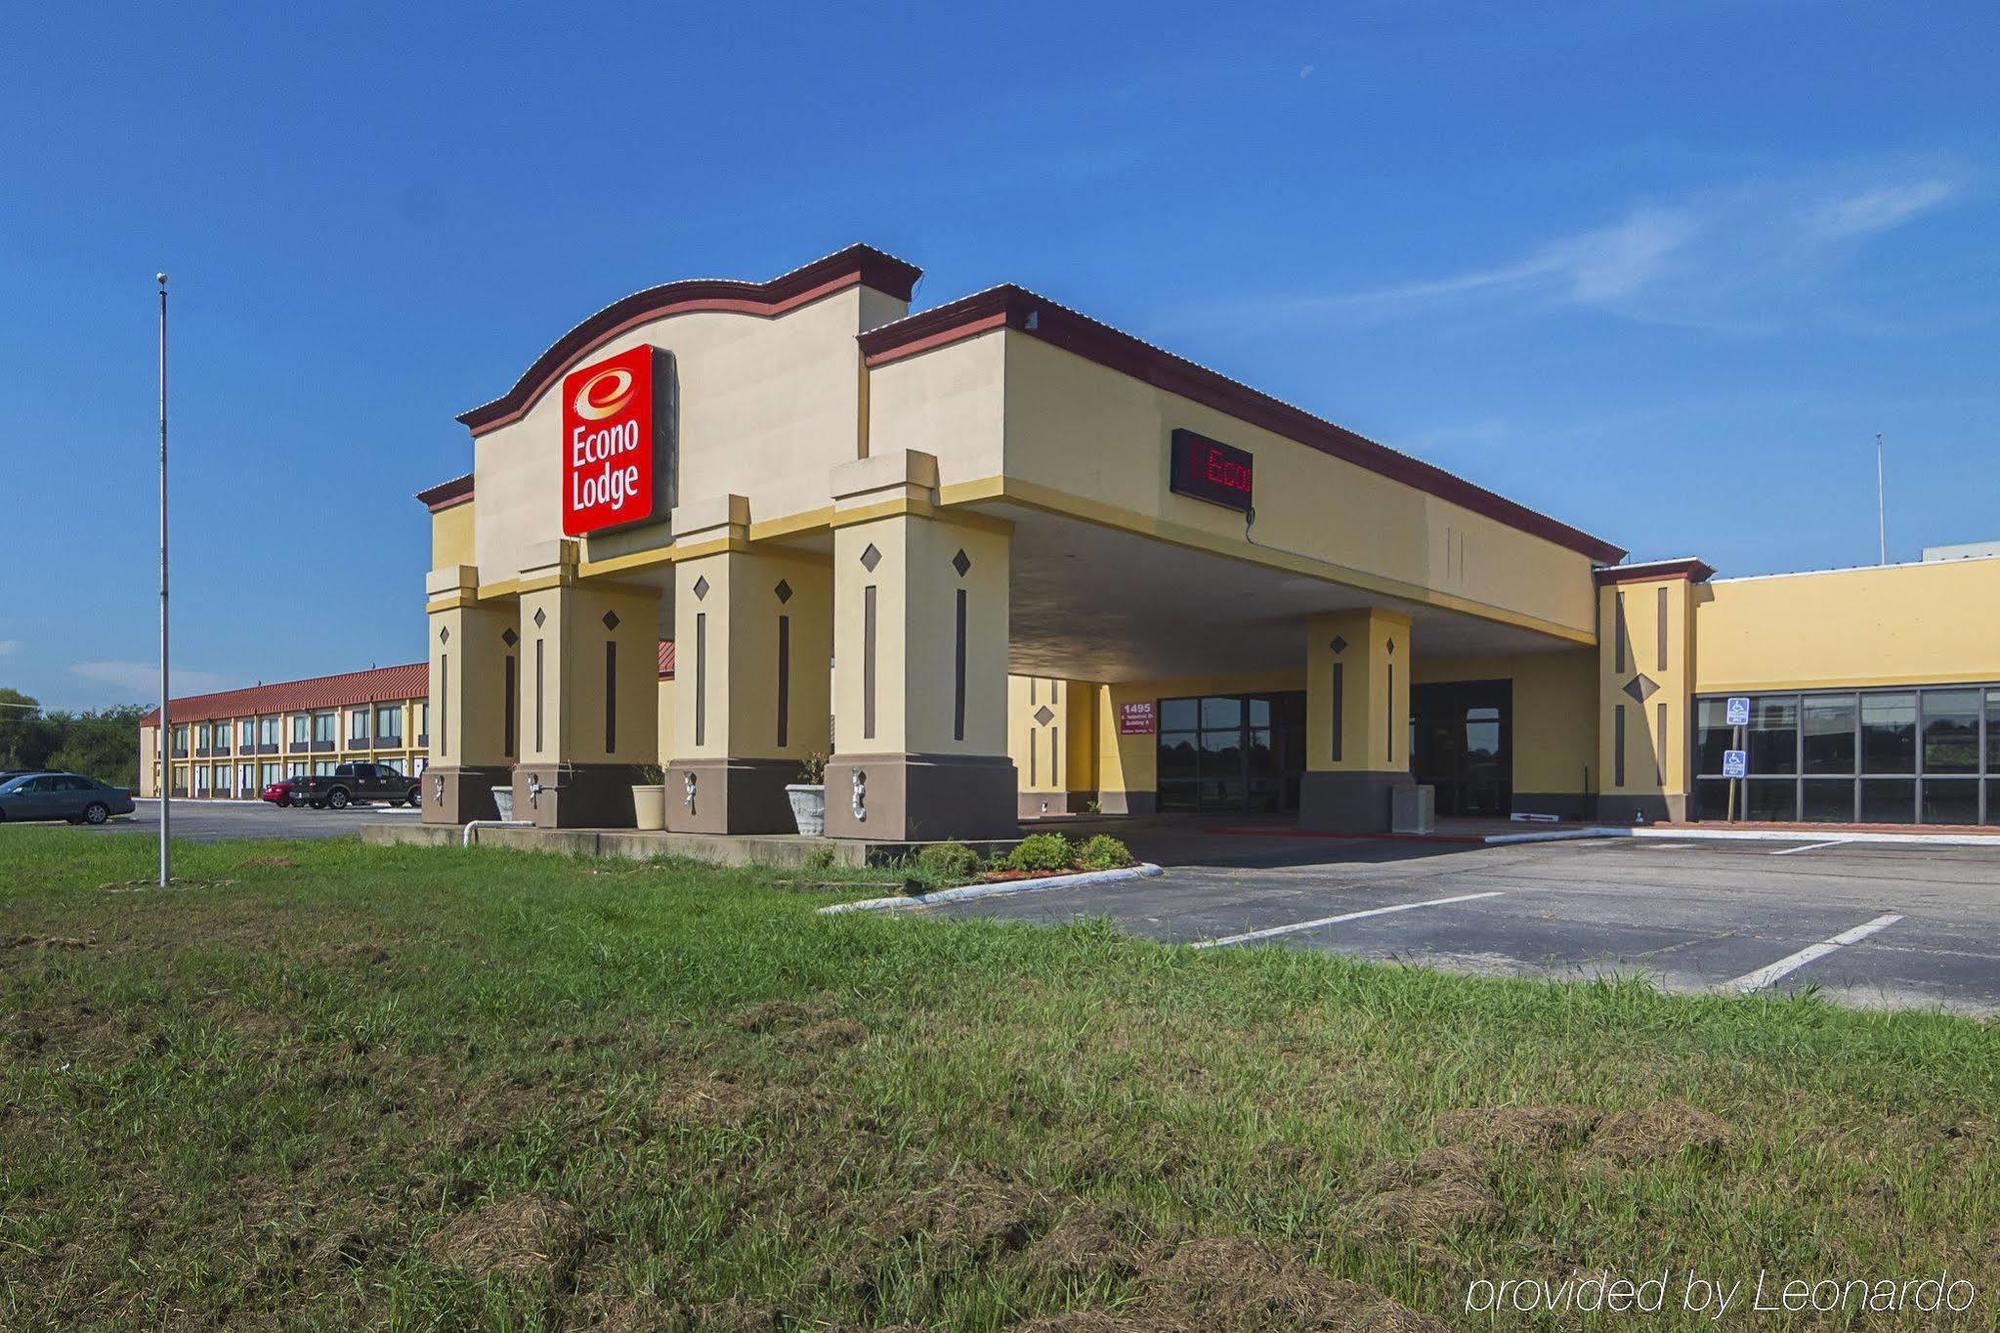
pixel 322 1084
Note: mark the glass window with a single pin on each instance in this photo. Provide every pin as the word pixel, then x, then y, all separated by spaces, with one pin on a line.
pixel 1178 715
pixel 201 736
pixel 1224 710
pixel 323 769
pixel 389 723
pixel 1828 801
pixel 357 724
pixel 1951 731
pixel 1888 800
pixel 323 725
pixel 1260 712
pixel 200 780
pixel 1177 755
pixel 1774 735
pixel 1829 733
pixel 1888 734
pixel 1776 801
pixel 1992 736
pixel 247 732
pixel 301 728
pixel 180 738
pixel 1993 800
pixel 424 718
pixel 1712 737
pixel 1950 801
pixel 1711 799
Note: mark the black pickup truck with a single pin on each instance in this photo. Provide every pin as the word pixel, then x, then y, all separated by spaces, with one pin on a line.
pixel 349 783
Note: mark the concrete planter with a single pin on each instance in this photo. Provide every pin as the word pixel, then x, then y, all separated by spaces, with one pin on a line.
pixel 649 807
pixel 808 807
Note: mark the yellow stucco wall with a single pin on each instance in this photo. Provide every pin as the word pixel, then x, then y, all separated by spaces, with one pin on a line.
pixel 1040 750
pixel 1899 624
pixel 1555 713
pixel 452 536
pixel 734 625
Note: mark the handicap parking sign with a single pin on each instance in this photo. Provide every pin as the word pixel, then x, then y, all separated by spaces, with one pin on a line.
pixel 1735 763
pixel 1738 712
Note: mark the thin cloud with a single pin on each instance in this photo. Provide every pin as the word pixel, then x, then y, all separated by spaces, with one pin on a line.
pixel 142 679
pixel 8 647
pixel 1744 257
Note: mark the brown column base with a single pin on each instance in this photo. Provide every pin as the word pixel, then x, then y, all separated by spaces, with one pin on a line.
pixel 1128 802
pixel 1340 802
pixel 576 795
pixel 461 795
pixel 1032 804
pixel 730 795
pixel 922 797
pixel 1671 808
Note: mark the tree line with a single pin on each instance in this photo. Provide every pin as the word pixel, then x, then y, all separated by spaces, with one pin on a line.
pixel 100 742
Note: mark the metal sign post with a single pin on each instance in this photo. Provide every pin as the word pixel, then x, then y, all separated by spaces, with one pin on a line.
pixel 1736 760
pixel 165 733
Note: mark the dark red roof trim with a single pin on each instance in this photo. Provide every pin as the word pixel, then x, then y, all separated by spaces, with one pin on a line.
pixel 666 659
pixel 861 265
pixel 447 493
pixel 1023 311
pixel 1695 571
pixel 378 684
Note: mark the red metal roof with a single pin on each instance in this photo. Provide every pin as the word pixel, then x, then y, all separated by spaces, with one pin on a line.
pixel 666 659
pixel 294 696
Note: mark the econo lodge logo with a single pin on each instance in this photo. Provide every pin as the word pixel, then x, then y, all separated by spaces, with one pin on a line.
pixel 608 442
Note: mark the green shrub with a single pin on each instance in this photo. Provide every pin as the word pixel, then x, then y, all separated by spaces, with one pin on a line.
pixel 818 859
pixel 947 863
pixel 1104 852
pixel 1040 851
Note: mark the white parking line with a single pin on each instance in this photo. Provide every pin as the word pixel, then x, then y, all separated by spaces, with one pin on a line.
pixel 1784 967
pixel 1810 847
pixel 1271 931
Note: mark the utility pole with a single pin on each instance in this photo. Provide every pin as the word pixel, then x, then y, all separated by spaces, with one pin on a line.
pixel 165 734
pixel 1881 503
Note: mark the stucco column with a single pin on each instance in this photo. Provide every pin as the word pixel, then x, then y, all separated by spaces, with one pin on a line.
pixel 589 697
pixel 472 644
pixel 1645 655
pixel 920 661
pixel 1357 719
pixel 753 632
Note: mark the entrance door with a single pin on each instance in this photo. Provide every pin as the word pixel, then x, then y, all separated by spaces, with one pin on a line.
pixel 1464 745
pixel 1232 753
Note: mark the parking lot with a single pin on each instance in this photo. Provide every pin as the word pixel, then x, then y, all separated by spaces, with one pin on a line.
pixel 212 821
pixel 1868 925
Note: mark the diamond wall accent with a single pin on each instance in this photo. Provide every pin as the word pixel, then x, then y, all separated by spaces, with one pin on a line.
pixel 700 586
pixel 961 562
pixel 1044 716
pixel 444 634
pixel 1641 688
pixel 541 617
pixel 1339 644
pixel 509 637
pixel 611 620
pixel 871 558
pixel 784 591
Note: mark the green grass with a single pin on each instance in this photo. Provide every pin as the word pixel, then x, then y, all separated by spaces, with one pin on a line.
pixel 322 1084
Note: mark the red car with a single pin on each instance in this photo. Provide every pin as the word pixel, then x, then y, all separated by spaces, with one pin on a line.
pixel 280 793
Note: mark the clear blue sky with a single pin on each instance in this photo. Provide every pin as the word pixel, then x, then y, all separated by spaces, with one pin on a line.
pixel 1522 242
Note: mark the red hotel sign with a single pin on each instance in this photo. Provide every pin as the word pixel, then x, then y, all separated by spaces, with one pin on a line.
pixel 607 443
pixel 1136 719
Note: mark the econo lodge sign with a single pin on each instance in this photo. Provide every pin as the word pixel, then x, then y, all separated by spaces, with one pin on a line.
pixel 607 442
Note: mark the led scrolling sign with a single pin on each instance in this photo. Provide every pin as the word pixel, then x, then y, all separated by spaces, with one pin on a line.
pixel 1210 470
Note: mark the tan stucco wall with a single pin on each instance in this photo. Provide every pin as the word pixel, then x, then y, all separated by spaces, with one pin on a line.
pixel 1900 624
pixel 1040 750
pixel 767 406
pixel 737 620
pixel 1080 438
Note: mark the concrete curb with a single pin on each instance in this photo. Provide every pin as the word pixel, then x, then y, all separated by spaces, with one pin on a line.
pixel 1145 871
pixel 1557 835
pixel 1832 834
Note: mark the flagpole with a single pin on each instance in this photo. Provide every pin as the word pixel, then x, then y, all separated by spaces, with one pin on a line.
pixel 165 734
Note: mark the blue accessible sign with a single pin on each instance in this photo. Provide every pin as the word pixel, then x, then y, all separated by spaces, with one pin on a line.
pixel 1737 713
pixel 1735 763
